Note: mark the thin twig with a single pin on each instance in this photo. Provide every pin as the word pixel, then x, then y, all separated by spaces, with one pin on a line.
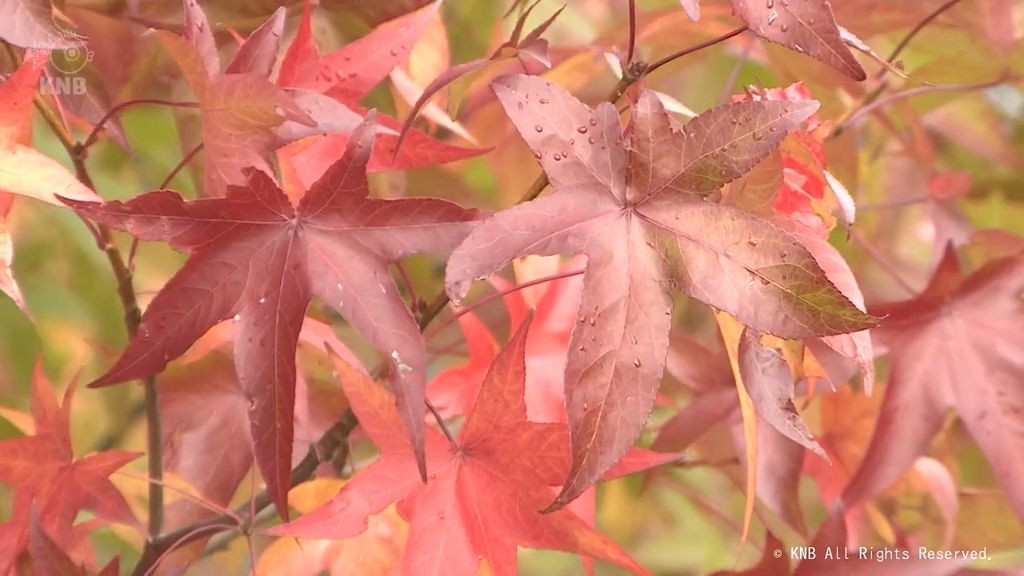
pixel 132 319
pixel 920 25
pixel 184 161
pixel 685 51
pixel 491 297
pixel 440 423
pixel 869 108
pixel 881 260
pixel 91 138
pixel 632 33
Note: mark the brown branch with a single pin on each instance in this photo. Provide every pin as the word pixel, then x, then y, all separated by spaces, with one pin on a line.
pixel 632 33
pixel 132 319
pixel 686 51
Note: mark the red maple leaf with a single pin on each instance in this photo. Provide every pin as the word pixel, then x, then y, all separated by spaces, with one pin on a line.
pixel 956 346
pixel 258 259
pixel 482 497
pixel 48 480
pixel 347 75
pixel 638 209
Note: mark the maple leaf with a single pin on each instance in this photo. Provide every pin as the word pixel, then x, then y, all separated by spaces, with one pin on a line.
pixel 953 347
pixel 807 26
pixel 484 490
pixel 347 75
pixel 49 483
pixel 23 170
pixel 259 260
pixel 29 23
pixel 640 214
pixel 241 108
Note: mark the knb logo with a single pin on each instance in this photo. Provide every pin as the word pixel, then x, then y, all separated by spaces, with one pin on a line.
pixel 65 64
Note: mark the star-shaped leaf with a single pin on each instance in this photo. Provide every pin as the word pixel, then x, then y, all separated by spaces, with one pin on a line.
pixel 954 347
pixel 49 483
pixel 482 497
pixel 637 207
pixel 258 259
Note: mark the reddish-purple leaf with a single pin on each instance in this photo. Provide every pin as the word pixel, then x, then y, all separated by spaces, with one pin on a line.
pixel 259 52
pixel 769 382
pixel 480 501
pixel 48 559
pixel 635 208
pixel 807 26
pixel 198 33
pixel 258 259
pixel 29 23
pixel 349 73
pixel 954 347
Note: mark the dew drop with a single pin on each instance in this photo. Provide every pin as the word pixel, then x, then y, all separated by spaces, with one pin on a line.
pixel 636 362
pixel 635 340
pixel 772 129
pixel 783 254
pixel 538 128
pixel 348 57
pixel 785 28
pixel 593 338
pixel 772 16
pixel 383 288
pixel 764 281
pixel 590 140
pixel 394 51
pixel 538 155
pixel 557 156
pixel 237 317
pixel 585 406
pixel 752 241
pixel 592 321
pixel 582 348
pixel 770 4
pixel 593 121
pixel 581 129
pixel 441 515
pixel 758 135
pixel 263 300
pixel 544 101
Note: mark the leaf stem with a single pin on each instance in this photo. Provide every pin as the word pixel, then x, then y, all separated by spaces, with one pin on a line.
pixel 686 51
pixel 491 297
pixel 184 162
pixel 81 149
pixel 440 422
pixel 632 33
pixel 871 107
pixel 914 31
pixel 881 260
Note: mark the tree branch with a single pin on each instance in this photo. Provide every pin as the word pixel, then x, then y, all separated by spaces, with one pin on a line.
pixel 132 319
pixel 80 150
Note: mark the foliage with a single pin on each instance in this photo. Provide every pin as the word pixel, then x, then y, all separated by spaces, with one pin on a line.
pixel 465 283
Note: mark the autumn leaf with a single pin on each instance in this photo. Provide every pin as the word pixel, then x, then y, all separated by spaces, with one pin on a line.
pixel 482 497
pixel 807 26
pixel 259 260
pixel 29 23
pixel 347 75
pixel 638 209
pixel 953 347
pixel 50 485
